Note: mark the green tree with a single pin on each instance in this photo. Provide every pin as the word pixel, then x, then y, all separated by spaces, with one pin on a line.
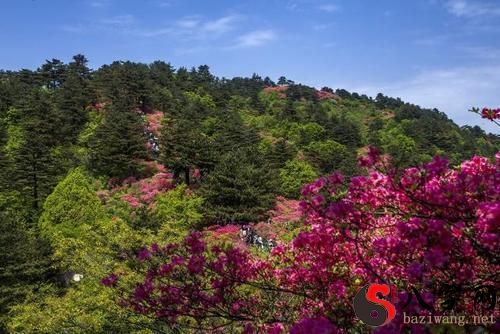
pixel 199 134
pixel 53 73
pixel 177 211
pixel 279 153
pixel 346 131
pixel 328 156
pixel 118 142
pixel 295 174
pixel 238 190
pixel 34 169
pixel 73 203
pixel 24 260
pixel 84 306
pixel 72 98
pixel 229 133
pixel 183 146
pixel 400 147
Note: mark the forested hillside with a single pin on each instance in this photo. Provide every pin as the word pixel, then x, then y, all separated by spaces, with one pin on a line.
pixel 97 164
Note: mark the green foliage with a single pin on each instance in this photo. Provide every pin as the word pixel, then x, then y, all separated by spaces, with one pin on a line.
pixel 73 97
pixel 24 263
pixel 346 131
pixel 86 306
pixel 328 156
pixel 231 134
pixel 400 147
pixel 310 132
pixel 15 137
pixel 239 190
pixel 177 211
pixel 279 153
pixel 95 119
pixel 183 143
pixel 117 143
pixel 73 203
pixel 294 175
pixel 33 169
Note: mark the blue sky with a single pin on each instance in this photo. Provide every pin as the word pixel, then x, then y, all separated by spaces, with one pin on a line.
pixel 436 53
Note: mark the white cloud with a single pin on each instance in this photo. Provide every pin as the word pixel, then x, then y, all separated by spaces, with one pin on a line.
pixel 222 25
pixel 291 6
pixel 256 38
pixel 471 9
pixel 189 22
pixel 329 8
pixel 196 28
pixel 189 27
pixel 153 32
pixel 113 24
pixel 120 20
pixel 453 91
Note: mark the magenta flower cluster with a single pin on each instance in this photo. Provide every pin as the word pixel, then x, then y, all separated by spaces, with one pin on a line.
pixel 432 229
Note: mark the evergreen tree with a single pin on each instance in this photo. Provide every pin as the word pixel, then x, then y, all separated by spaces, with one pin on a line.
pixel 125 81
pixel 231 134
pixel 52 73
pixel 374 127
pixel 34 169
pixel 279 154
pixel 183 145
pixel 239 190
pixel 328 156
pixel 72 204
pixel 118 142
pixel 24 262
pixel 346 132
pixel 73 97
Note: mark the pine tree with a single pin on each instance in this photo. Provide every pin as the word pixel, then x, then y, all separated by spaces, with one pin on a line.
pixel 182 146
pixel 118 142
pixel 346 132
pixel 73 97
pixel 239 189
pixel 52 73
pixel 24 263
pixel 279 154
pixel 34 169
pixel 73 203
pixel 231 134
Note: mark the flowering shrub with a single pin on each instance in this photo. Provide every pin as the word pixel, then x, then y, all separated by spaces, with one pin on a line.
pixel 279 90
pixel 230 233
pixel 430 230
pixel 151 167
pixel 142 193
pixel 154 122
pixel 488 113
pixel 325 95
pixel 286 210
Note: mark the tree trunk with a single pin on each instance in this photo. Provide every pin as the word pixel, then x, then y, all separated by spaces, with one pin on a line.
pixel 186 175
